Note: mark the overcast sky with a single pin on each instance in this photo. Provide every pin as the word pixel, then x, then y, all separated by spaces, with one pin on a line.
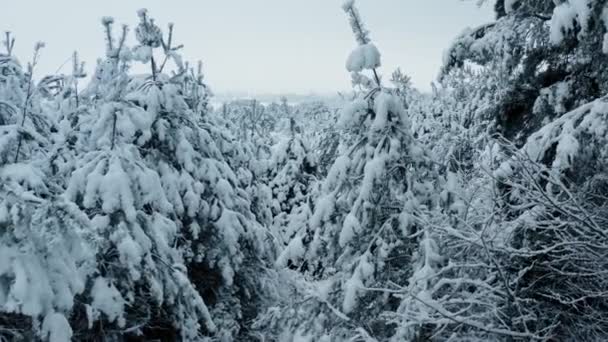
pixel 255 46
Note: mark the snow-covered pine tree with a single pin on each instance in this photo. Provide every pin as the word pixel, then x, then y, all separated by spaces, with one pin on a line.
pixel 228 161
pixel 26 128
pixel 248 158
pixel 142 280
pixel 293 177
pixel 363 234
pixel 318 121
pixel 180 254
pixel 541 59
pixel 45 241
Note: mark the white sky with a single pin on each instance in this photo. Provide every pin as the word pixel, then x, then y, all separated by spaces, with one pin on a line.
pixel 255 46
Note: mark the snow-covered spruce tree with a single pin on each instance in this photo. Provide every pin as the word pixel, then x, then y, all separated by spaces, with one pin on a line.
pixel 179 247
pixel 141 281
pixel 364 234
pixel 543 60
pixel 253 121
pixel 26 128
pixel 294 165
pixel 318 121
pixel 449 121
pixel 236 189
pixel 293 176
pixel 247 155
pixel 251 163
pixel 45 241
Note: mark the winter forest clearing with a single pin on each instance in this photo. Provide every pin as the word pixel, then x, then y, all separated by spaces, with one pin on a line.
pixel 132 209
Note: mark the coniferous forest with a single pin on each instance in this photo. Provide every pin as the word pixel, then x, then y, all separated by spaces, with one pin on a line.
pixel 131 209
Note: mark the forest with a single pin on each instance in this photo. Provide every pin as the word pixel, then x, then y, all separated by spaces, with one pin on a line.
pixel 132 209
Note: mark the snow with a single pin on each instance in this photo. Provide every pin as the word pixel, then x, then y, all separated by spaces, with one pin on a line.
pixel 325 207
pixel 565 134
pixel 567 148
pixel 363 57
pixel 355 285
pixel 405 223
pixel 350 227
pixel 351 289
pixel 142 53
pixel 374 171
pixel 130 255
pixel 225 191
pixel 25 174
pixel 565 15
pixel 385 104
pixel 452 182
pixel 294 251
pixel 231 228
pixel 425 269
pixel 504 171
pixel 114 189
pixel 302 336
pixel 583 11
pixel 510 5
pixel 56 328
pixel 108 300
pixel 29 289
pixel 352 113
